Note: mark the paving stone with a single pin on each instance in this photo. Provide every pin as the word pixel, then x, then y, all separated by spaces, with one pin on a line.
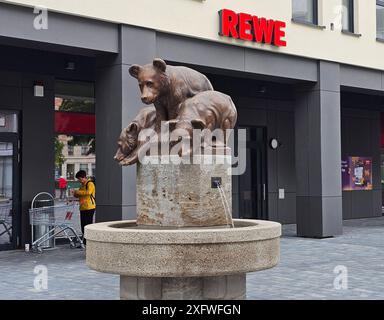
pixel 305 271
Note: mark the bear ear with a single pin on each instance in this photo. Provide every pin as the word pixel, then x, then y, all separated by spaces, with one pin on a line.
pixel 198 124
pixel 134 70
pixel 132 128
pixel 160 64
pixel 172 124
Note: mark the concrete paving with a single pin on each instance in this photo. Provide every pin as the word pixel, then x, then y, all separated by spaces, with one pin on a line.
pixel 350 266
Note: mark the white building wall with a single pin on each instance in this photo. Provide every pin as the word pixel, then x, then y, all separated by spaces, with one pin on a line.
pixel 199 19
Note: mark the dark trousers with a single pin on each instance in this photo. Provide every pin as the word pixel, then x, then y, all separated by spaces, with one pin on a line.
pixel 86 217
pixel 63 193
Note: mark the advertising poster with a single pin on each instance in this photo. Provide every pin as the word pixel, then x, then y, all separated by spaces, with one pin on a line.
pixel 356 173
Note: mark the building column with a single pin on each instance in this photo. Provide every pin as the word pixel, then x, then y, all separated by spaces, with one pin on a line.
pixel 117 103
pixel 318 155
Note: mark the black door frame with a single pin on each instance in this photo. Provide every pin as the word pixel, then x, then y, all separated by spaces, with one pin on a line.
pixel 262 189
pixel 16 203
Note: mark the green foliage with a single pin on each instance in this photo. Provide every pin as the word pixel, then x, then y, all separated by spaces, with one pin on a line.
pixel 59 157
pixel 77 105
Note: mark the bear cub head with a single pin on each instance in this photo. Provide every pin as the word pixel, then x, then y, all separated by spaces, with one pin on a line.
pixel 153 81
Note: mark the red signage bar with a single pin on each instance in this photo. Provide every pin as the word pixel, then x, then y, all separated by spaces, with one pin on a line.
pixel 252 28
pixel 73 123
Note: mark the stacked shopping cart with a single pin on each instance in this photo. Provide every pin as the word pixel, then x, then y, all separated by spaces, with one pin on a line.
pixel 57 219
pixel 6 219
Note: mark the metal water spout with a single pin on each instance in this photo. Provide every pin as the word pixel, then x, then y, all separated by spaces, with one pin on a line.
pixel 227 210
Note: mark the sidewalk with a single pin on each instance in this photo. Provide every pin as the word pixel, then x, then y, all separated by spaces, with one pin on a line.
pixel 306 269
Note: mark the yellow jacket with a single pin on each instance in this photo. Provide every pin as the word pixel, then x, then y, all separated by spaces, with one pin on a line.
pixel 86 195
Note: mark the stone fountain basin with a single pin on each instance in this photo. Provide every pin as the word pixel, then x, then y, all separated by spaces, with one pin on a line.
pixel 122 248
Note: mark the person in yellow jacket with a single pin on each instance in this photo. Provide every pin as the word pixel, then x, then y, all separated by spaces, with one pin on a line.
pixel 87 200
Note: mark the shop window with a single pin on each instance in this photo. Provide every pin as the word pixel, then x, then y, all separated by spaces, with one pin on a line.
pixel 348 16
pixel 93 170
pixel 70 150
pixel 74 96
pixel 84 150
pixel 70 171
pixel 75 125
pixel 380 19
pixel 305 11
pixel 84 166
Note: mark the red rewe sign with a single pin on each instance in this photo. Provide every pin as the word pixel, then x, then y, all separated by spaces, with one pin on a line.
pixel 251 28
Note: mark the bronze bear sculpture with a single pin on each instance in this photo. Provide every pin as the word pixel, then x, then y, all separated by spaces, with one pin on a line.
pixel 207 110
pixel 166 87
pixel 128 141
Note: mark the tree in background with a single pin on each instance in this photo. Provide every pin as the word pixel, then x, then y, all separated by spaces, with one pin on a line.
pixel 59 157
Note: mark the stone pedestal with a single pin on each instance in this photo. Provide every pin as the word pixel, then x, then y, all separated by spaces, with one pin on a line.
pixel 170 194
pixel 193 288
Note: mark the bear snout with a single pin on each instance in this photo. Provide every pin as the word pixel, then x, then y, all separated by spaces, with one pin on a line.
pixel 146 100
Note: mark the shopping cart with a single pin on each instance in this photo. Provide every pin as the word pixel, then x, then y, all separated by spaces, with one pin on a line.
pixel 6 219
pixel 59 220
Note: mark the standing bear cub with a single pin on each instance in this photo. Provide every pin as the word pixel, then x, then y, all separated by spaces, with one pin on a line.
pixel 167 87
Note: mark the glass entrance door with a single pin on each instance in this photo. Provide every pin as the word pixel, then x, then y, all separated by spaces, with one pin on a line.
pixel 9 210
pixel 253 192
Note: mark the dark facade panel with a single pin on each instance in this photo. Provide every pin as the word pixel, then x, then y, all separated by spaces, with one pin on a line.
pixel 362 204
pixel 11 97
pixel 287 208
pixel 9 78
pixel 280 162
pixel 37 150
pixel 286 172
pixel 361 132
pixel 273 206
pixel 273 155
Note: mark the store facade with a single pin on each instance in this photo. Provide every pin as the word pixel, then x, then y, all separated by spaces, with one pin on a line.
pixel 320 105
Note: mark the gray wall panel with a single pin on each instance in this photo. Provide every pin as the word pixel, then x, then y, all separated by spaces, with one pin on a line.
pixel 355 77
pixel 330 135
pixel 330 76
pixel 227 57
pixel 198 52
pixel 313 144
pixel 63 30
pixel 332 206
pixel 290 67
pixel 131 38
pixel 129 213
pixel 318 144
